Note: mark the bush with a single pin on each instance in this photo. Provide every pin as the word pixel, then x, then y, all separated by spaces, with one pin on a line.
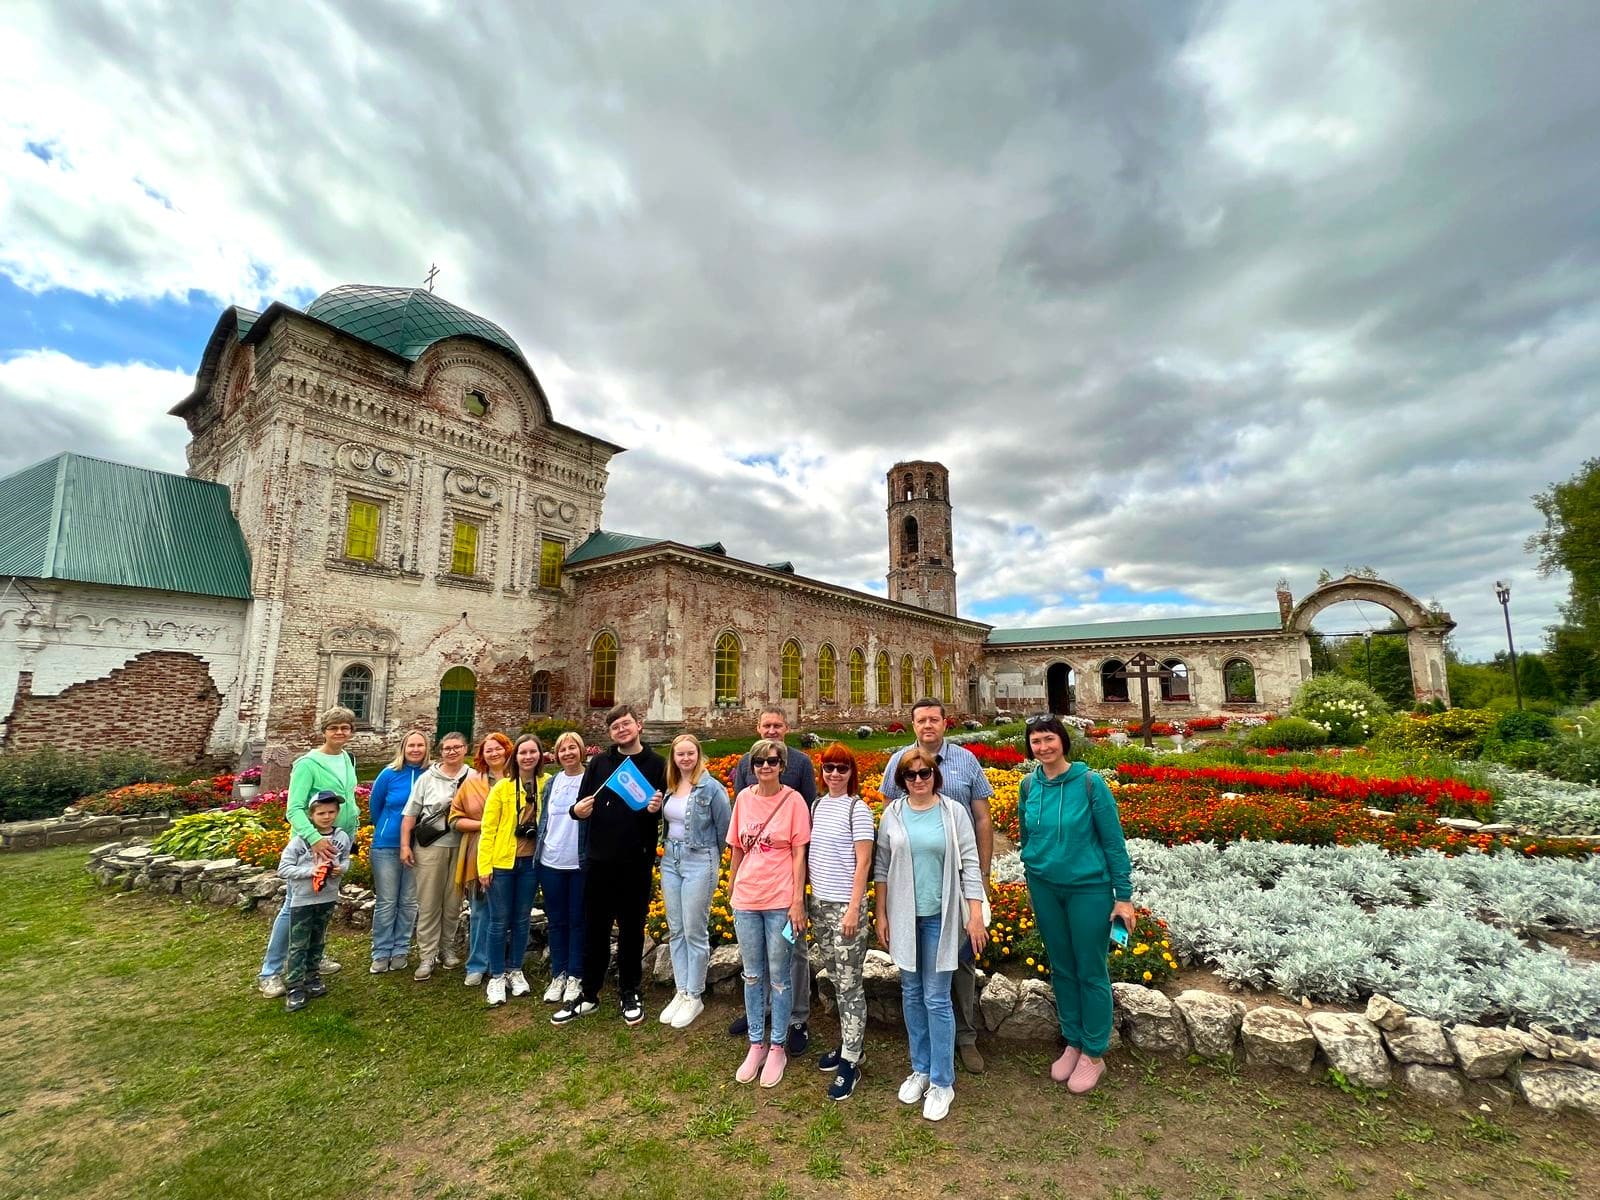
pixel 1575 759
pixel 1104 756
pixel 1346 708
pixel 1520 725
pixel 41 783
pixel 208 834
pixel 548 730
pixel 1456 731
pixel 1288 733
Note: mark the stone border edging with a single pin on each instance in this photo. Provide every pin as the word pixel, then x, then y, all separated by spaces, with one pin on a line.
pixel 1375 1049
pixel 73 827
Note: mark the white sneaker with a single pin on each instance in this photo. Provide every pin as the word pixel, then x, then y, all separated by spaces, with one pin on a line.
pixel 519 983
pixel 688 1012
pixel 473 979
pixel 327 966
pixel 496 991
pixel 270 986
pixel 553 993
pixel 671 1010
pixel 911 1090
pixel 574 990
pixel 936 1104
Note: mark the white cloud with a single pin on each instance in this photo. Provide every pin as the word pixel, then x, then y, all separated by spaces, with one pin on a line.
pixel 52 403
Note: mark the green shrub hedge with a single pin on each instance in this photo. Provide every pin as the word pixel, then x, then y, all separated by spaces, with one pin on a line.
pixel 41 783
pixel 1287 733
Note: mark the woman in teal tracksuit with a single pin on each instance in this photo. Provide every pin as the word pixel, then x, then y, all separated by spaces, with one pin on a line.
pixel 1078 880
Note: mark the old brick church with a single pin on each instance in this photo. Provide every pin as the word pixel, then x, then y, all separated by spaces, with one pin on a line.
pixel 382 510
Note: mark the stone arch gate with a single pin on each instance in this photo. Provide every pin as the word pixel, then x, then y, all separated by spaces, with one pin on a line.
pixel 1426 629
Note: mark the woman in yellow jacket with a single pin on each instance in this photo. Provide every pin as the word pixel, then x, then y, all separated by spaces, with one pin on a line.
pixel 505 865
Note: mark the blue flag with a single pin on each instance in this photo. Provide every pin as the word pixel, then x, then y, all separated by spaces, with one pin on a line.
pixel 629 782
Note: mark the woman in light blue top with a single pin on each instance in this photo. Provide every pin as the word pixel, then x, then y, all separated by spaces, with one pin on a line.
pixel 929 899
pixel 695 817
pixel 394 884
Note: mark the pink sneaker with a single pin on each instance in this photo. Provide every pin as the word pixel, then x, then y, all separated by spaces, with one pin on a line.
pixel 751 1067
pixel 772 1073
pixel 1085 1075
pixel 1061 1069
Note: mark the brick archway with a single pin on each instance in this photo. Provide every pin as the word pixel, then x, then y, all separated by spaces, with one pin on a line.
pixel 1425 629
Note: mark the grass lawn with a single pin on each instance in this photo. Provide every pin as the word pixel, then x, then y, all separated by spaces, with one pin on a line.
pixel 136 1060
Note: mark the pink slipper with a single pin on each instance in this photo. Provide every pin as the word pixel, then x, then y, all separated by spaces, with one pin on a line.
pixel 751 1067
pixel 1085 1075
pixel 777 1059
pixel 1061 1069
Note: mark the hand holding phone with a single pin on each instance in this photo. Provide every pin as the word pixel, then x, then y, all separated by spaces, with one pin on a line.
pixel 1119 933
pixel 788 932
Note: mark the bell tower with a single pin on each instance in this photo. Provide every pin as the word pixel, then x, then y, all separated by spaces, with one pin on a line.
pixel 921 567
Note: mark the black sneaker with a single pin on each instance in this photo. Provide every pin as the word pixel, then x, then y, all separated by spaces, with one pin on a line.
pixel 739 1027
pixel 295 1000
pixel 315 988
pixel 632 1009
pixel 831 1060
pixel 844 1080
pixel 799 1039
pixel 571 1012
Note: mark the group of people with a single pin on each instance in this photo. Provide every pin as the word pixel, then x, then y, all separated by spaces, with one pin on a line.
pixel 585 835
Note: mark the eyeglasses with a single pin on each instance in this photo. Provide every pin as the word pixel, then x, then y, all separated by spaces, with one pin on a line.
pixel 1038 719
pixel 836 768
pixel 774 761
pixel 920 773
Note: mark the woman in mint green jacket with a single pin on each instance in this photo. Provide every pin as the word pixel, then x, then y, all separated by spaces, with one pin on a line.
pixel 1078 874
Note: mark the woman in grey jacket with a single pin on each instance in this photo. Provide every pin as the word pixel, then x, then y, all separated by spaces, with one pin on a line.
pixel 929 898
pixel 695 813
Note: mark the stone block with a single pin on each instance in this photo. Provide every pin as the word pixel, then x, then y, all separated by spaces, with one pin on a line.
pixel 1560 1087
pixel 1484 1053
pixel 1150 1020
pixel 1353 1046
pixel 661 968
pixel 1034 1018
pixel 724 964
pixel 1277 1037
pixel 1212 1021
pixel 1421 1041
pixel 1437 1083
pixel 997 1001
pixel 1385 1013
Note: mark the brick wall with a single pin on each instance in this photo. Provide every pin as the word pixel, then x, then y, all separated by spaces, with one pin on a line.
pixel 162 701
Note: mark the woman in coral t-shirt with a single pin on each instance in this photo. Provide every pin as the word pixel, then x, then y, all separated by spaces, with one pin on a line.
pixel 767 868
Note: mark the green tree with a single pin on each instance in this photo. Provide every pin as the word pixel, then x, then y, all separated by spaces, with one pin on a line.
pixel 1388 660
pixel 1570 542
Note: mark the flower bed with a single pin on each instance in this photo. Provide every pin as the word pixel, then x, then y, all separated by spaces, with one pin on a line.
pixel 1544 805
pixel 1016 947
pixel 1441 797
pixel 142 798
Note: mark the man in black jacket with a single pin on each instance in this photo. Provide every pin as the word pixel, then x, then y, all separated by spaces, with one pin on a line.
pixel 617 847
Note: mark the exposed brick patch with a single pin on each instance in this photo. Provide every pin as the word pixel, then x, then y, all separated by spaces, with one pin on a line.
pixel 162 701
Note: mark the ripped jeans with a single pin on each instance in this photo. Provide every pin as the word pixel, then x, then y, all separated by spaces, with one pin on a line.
pixel 766 954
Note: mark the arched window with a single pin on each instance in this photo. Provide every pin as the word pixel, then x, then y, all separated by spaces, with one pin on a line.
pixel 458 698
pixel 908 536
pixel 603 672
pixel 927 677
pixel 907 681
pixel 1239 682
pixel 858 678
pixel 1112 689
pixel 355 691
pixel 827 662
pixel 1177 686
pixel 725 671
pixel 945 690
pixel 539 694
pixel 789 669
pixel 885 684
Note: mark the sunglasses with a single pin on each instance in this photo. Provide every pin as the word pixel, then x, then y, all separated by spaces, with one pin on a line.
pixel 774 761
pixel 836 768
pixel 920 773
pixel 1040 719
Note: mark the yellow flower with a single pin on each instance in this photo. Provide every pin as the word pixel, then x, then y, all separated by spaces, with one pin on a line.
pixel 1148 977
pixel 1030 962
pixel 1116 954
pixel 1141 948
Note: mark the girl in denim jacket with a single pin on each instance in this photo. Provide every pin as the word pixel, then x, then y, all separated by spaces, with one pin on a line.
pixel 696 814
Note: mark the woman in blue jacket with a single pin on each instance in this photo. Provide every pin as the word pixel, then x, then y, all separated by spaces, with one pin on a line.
pixel 695 817
pixel 394 913
pixel 1078 873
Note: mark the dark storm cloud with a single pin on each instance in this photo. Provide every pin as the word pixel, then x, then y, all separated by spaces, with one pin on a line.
pixel 1205 293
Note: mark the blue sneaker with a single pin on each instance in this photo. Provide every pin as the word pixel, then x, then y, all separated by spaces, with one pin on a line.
pixel 844 1080
pixel 831 1060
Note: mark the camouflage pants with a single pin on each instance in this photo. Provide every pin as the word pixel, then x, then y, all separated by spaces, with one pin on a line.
pixel 843 958
pixel 308 931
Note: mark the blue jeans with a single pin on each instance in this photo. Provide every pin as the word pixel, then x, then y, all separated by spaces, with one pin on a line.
pixel 277 942
pixel 510 905
pixel 766 955
pixel 688 879
pixel 930 1017
pixel 394 912
pixel 563 911
pixel 478 932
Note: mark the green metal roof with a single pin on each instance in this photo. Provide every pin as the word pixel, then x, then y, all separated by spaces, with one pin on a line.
pixel 603 542
pixel 1128 631
pixel 93 521
pixel 403 321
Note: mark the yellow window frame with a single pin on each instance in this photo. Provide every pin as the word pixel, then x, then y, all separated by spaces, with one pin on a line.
pixel 464 549
pixel 362 520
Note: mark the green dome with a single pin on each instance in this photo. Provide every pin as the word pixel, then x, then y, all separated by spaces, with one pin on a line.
pixel 403 321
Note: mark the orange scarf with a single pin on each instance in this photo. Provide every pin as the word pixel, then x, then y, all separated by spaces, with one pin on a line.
pixel 469 802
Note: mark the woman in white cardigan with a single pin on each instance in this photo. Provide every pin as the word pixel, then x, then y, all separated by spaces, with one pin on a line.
pixel 929 899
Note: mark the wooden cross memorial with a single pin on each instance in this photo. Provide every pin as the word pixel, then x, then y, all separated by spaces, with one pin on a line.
pixel 1144 668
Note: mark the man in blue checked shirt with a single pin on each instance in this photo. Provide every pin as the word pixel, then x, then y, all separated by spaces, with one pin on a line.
pixel 967 785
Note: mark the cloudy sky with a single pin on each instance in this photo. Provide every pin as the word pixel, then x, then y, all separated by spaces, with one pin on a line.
pixel 1188 297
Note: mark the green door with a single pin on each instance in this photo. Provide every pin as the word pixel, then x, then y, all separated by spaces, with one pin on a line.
pixel 458 692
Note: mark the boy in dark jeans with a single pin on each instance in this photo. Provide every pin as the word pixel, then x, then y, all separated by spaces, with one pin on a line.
pixel 313 888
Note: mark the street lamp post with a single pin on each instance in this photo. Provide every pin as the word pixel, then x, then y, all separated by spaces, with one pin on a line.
pixel 1366 644
pixel 1502 592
